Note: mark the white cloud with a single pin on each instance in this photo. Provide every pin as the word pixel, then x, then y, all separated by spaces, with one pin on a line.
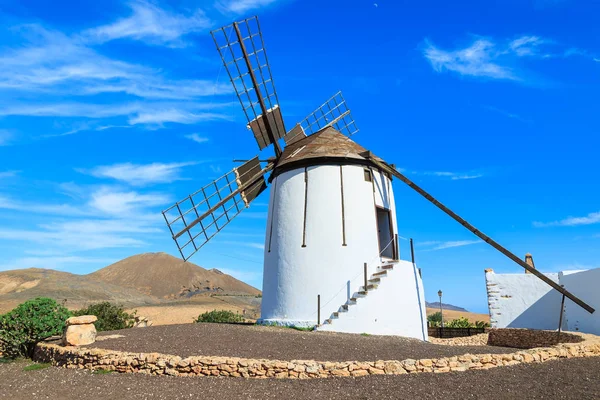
pixel 152 24
pixel 8 174
pixel 125 203
pixel 526 45
pixel 154 114
pixel 455 176
pixel 486 58
pixel 197 138
pixel 241 6
pixel 105 218
pixel 438 245
pixel 476 60
pixel 8 203
pixel 141 174
pixel 49 63
pixel 591 218
pixel 174 115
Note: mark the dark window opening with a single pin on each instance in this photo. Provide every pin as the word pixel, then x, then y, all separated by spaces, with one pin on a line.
pixel 385 233
pixel 368 176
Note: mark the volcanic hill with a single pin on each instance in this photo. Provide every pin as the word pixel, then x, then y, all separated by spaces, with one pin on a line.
pixel 147 279
pixel 166 277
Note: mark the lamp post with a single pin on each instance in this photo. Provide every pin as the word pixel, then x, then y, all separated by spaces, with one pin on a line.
pixel 441 311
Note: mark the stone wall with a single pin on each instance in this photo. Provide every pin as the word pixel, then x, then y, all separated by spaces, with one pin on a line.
pixel 529 338
pixel 161 364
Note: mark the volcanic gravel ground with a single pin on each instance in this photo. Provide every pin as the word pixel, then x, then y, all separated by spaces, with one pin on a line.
pixel 277 343
pixel 575 378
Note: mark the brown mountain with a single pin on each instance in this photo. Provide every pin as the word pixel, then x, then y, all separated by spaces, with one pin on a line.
pixel 17 286
pixel 166 277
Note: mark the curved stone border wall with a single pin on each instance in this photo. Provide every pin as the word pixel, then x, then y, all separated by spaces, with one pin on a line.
pixel 529 338
pixel 161 364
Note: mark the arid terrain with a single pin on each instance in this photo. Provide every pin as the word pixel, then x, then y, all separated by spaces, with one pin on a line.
pixel 159 286
pixel 575 378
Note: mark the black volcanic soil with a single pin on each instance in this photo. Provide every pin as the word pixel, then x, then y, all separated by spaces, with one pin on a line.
pixel 575 378
pixel 251 341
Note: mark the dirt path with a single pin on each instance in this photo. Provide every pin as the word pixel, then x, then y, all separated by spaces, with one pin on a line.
pixel 277 343
pixel 575 378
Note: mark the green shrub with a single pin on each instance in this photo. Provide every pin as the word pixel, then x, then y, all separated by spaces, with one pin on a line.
pixel 220 316
pixel 29 323
pixel 461 322
pixel 111 317
pixel 435 319
pixel 481 324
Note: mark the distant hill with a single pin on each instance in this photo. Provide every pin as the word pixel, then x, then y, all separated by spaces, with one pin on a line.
pixel 436 305
pixel 142 280
pixel 166 277
pixel 21 285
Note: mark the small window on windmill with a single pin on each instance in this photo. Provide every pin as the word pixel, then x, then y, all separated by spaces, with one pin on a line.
pixel 368 176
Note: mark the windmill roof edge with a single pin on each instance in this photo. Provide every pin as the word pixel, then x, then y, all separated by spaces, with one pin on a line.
pixel 325 146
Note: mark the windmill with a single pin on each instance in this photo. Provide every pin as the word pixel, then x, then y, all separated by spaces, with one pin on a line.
pixel 331 230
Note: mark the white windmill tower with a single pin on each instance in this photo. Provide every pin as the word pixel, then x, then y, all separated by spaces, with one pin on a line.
pixel 331 244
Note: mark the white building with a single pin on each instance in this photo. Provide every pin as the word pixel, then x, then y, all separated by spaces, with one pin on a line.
pixel 524 301
pixel 331 211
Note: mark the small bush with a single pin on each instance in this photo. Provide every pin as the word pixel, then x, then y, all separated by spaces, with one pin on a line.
pixel 30 323
pixel 461 322
pixel 435 319
pixel 111 317
pixel 220 316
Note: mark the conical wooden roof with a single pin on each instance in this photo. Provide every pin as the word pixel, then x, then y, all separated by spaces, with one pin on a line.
pixel 325 146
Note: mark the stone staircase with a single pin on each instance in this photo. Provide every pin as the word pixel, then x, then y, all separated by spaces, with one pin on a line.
pixel 372 284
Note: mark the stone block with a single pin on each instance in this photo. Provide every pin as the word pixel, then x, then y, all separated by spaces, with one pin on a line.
pixel 79 335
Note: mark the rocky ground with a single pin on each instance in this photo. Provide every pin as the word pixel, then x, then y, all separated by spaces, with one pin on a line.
pixel 277 343
pixel 575 378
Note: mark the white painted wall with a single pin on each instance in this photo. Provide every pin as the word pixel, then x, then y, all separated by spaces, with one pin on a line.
pixel 522 301
pixel 295 275
pixel 585 285
pixel 396 307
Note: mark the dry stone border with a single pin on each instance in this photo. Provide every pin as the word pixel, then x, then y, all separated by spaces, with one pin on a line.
pixel 161 364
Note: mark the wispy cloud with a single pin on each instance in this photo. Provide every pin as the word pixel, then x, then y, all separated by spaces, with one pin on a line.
pixel 456 176
pixel 241 6
pixel 107 217
pixel 124 203
pixel 439 245
pixel 152 24
pixel 174 115
pixel 141 174
pixel 152 114
pixel 491 59
pixel 50 65
pixel 197 138
pixel 591 218
pixel 8 174
pixel 506 113
pixel 478 59
pixel 526 46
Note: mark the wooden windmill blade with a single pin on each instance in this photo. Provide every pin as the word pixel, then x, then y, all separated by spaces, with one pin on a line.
pixel 391 170
pixel 197 218
pixel 334 112
pixel 242 51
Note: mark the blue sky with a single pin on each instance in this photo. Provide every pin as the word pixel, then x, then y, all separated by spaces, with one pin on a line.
pixel 111 111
